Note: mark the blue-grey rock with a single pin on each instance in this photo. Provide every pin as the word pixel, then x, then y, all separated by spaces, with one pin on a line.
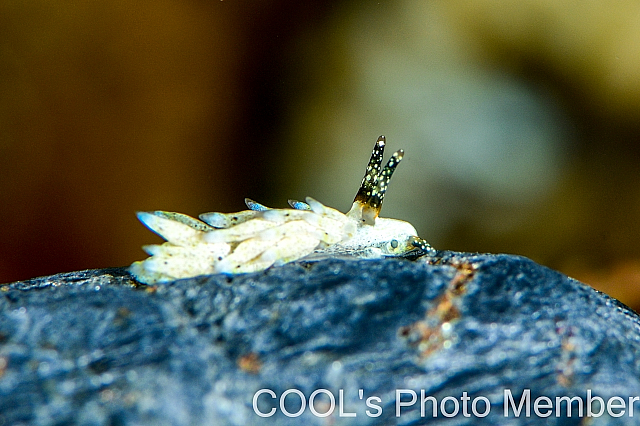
pixel 95 348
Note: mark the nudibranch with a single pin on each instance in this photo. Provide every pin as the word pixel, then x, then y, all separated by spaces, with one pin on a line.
pixel 255 239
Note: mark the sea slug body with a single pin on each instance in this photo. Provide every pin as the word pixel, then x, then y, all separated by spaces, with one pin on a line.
pixel 255 239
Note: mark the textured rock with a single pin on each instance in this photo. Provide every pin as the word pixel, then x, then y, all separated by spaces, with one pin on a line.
pixel 94 348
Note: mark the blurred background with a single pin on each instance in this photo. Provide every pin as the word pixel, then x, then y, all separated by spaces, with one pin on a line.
pixel 520 120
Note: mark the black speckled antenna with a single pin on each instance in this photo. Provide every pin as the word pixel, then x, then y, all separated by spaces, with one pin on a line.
pixel 375 202
pixel 368 200
pixel 372 173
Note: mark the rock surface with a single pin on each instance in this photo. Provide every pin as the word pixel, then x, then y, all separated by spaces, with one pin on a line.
pixel 94 348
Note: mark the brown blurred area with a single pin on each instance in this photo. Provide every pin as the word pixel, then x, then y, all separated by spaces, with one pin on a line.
pixel 110 107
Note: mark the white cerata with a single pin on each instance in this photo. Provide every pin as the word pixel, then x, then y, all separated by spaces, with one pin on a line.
pixel 255 239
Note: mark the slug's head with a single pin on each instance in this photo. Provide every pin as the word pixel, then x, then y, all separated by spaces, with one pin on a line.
pixel 388 238
pixel 381 236
pixel 409 247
